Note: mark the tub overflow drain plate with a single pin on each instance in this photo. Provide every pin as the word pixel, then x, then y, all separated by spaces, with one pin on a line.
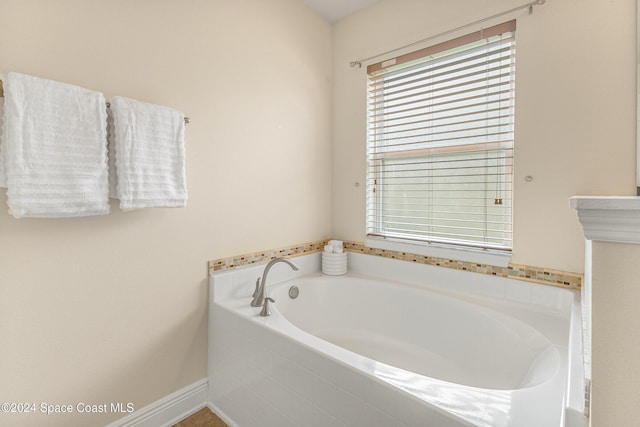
pixel 294 292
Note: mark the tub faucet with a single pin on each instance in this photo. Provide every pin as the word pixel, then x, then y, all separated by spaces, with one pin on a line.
pixel 266 311
pixel 258 295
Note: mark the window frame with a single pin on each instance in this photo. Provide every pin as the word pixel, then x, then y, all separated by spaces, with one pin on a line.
pixel 433 247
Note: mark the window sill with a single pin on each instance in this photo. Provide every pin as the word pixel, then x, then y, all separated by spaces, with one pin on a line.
pixel 480 256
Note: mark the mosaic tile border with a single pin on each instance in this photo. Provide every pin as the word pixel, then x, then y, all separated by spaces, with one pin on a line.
pixel 528 273
pixel 263 257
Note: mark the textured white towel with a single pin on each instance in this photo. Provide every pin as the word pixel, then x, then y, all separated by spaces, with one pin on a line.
pixel 111 150
pixel 149 154
pixel 55 149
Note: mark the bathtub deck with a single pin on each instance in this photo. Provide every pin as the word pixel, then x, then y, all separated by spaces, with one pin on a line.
pixel 268 368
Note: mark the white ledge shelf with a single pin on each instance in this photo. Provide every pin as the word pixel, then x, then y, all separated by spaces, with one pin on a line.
pixel 609 218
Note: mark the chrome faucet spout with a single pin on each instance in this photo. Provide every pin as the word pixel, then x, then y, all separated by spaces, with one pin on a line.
pixel 258 299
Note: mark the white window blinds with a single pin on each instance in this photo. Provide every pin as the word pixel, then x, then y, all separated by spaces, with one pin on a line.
pixel 440 142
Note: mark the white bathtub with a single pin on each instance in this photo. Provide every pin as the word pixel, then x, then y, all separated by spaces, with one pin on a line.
pixel 424 346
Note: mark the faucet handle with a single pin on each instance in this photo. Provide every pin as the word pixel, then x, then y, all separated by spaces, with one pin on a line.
pixel 266 310
pixel 255 293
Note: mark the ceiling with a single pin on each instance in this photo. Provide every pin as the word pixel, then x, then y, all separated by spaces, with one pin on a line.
pixel 334 10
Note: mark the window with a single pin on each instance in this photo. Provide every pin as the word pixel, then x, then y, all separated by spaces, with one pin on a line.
pixel 440 143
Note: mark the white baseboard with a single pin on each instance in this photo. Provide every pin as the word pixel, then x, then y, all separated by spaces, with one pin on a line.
pixel 168 410
pixel 220 414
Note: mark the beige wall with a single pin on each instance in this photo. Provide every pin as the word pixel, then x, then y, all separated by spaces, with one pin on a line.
pixel 616 348
pixel 575 110
pixel 114 308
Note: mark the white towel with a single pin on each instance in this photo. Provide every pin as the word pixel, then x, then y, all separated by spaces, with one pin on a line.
pixel 55 149
pixel 111 149
pixel 149 154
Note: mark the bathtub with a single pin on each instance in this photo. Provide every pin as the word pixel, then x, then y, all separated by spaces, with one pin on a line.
pixel 392 343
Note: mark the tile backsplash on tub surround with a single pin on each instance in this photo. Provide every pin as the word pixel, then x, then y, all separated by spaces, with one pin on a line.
pixel 544 276
pixel 265 256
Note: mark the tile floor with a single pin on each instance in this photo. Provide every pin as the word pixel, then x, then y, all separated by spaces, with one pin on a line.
pixel 202 418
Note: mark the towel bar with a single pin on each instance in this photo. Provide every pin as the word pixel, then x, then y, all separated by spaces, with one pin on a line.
pixel 187 120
